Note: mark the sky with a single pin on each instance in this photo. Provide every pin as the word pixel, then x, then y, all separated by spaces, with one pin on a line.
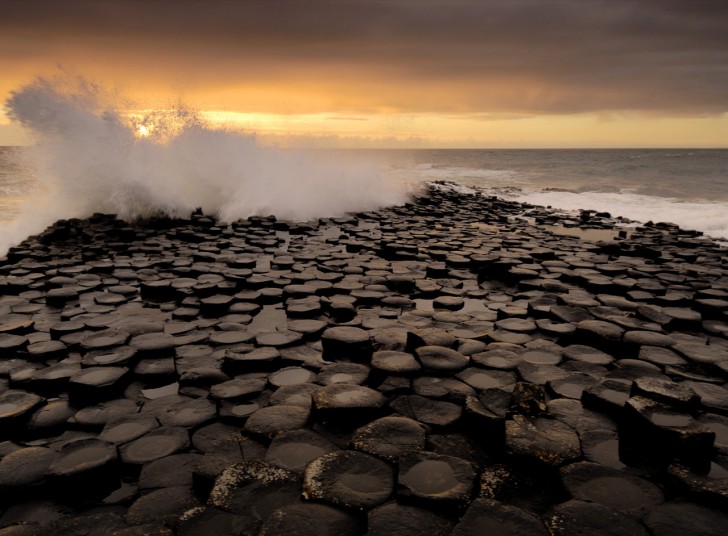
pixel 395 73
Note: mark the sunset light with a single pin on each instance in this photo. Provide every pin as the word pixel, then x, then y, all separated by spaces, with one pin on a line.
pixel 364 267
pixel 413 74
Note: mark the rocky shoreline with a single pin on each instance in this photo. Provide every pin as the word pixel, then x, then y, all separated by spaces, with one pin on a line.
pixel 458 365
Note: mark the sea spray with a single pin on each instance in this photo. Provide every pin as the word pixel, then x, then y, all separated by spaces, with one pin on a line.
pixel 92 155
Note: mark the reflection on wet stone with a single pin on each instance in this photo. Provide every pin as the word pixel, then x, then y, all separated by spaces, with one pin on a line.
pixel 444 367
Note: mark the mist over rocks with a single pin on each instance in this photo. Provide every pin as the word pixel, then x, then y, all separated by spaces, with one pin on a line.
pixel 451 365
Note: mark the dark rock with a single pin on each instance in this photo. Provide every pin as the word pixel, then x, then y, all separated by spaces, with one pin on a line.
pixel 12 344
pixel 238 389
pixel 58 297
pixel 429 337
pixel 154 344
pixel 571 386
pixel 101 520
pixel 660 433
pixel 109 357
pixel 164 505
pixel 517 325
pixel 294 395
pixel 426 410
pixel 569 315
pixel 451 303
pixel 309 328
pixel 16 406
pixel 527 399
pixel 88 466
pixel 403 520
pixel 440 481
pixel 667 392
pixel 611 488
pixel 53 379
pixel 155 445
pixel 128 428
pixel 342 373
pixel 390 438
pixel 587 354
pixel 681 318
pixel 685 519
pixel 441 359
pixel 294 450
pixel 349 479
pixel 171 471
pixel 442 388
pixel 254 489
pixel 486 516
pixel 271 420
pixel 713 398
pixel 346 403
pixel 157 370
pixel 709 487
pixel 258 359
pixel 497 358
pixel 661 356
pixel 574 517
pixel 96 417
pixel 228 338
pixel 104 339
pixel 213 521
pixel 543 440
pixel 395 362
pixel 278 339
pixel 619 347
pixel 24 467
pixel 702 354
pixel 608 396
pixel 291 376
pixel 46 350
pixel 310 520
pixel 540 357
pixel 348 343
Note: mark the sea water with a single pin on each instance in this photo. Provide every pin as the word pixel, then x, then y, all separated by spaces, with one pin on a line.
pixel 90 156
pixel 688 187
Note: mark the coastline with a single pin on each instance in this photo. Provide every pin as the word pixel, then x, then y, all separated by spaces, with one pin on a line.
pixel 269 375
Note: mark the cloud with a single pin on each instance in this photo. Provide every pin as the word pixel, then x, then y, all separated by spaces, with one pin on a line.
pixel 501 56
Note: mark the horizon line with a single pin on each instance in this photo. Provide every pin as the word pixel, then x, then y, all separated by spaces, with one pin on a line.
pixel 483 148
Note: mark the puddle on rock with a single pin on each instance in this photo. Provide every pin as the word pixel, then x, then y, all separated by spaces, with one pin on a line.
pixel 670 419
pixel 430 477
pixel 362 483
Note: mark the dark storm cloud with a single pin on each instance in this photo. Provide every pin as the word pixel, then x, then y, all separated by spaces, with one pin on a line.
pixel 517 56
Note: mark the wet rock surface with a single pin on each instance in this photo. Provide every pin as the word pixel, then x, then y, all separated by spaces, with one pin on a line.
pixel 451 366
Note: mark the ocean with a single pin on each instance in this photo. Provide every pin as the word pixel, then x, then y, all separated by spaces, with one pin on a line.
pixel 91 155
pixel 686 187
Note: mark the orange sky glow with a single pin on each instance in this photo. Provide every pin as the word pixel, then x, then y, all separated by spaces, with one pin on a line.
pixel 525 73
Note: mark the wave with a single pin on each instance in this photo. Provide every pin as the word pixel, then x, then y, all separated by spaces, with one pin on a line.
pixel 708 217
pixel 92 155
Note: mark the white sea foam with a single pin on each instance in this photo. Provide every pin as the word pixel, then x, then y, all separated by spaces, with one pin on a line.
pixel 92 156
pixel 571 194
pixel 709 217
